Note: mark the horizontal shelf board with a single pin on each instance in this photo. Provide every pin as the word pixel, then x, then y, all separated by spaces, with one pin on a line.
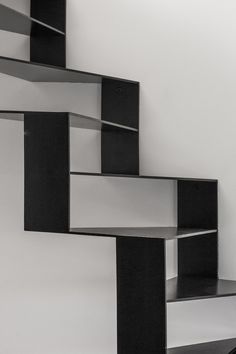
pixel 84 122
pixel 35 72
pixel 14 21
pixel 196 288
pixel 76 121
pixel 217 347
pixel 166 233
pixel 140 176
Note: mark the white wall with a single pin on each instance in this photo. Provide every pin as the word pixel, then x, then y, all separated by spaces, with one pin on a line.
pixel 58 293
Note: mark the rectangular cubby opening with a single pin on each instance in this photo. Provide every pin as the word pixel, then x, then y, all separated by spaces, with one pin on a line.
pixel 204 326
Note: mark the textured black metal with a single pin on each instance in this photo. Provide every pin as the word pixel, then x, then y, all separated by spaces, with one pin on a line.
pixel 47 172
pixel 141 304
pixel 48 47
pixel 198 205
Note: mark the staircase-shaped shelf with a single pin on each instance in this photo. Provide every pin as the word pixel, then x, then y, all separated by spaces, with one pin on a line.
pixel 142 289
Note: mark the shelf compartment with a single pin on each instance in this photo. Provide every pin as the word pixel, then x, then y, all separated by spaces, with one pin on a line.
pixel 34 72
pixel 17 22
pixel 141 177
pixel 166 233
pixel 76 121
pixel 195 288
pixel 216 347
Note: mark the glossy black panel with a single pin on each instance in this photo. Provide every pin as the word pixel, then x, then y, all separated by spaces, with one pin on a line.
pixel 45 73
pixel 120 152
pixel 46 172
pixel 195 287
pixel 14 21
pixel 166 233
pixel 46 47
pixel 218 347
pixel 141 310
pixel 110 175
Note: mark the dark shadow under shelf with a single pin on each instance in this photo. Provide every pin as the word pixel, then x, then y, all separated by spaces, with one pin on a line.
pixel 166 233
pixel 35 72
pixel 196 288
pixel 17 22
pixel 217 347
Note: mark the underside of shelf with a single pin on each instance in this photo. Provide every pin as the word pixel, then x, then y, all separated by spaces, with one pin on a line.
pixel 166 233
pixel 140 176
pixel 217 347
pixel 34 72
pixel 76 121
pixel 14 21
pixel 195 288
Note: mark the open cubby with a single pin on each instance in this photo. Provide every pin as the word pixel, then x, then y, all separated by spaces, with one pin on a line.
pixel 142 289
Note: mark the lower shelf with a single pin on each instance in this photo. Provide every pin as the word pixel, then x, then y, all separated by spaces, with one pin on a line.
pixel 217 347
pixel 194 288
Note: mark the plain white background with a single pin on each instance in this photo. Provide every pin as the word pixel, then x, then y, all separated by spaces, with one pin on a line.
pixel 58 293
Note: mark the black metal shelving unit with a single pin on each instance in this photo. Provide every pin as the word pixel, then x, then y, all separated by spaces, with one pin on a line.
pixel 142 289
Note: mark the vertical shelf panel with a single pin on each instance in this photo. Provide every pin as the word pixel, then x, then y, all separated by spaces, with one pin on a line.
pixel 141 307
pixel 120 105
pixel 45 47
pixel 47 180
pixel 197 205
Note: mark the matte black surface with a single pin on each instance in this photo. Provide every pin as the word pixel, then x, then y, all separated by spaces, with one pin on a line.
pixel 120 152
pixel 194 288
pixel 48 47
pixel 197 207
pixel 46 172
pixel 197 204
pixel 166 233
pixel 35 72
pixel 141 309
pixel 198 256
pixel 120 102
pixel 218 347
pixel 14 21
pixel 52 12
pixel 110 175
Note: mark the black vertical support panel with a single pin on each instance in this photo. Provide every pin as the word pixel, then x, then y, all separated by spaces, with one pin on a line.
pixel 47 172
pixel 198 207
pixel 47 47
pixel 141 306
pixel 120 149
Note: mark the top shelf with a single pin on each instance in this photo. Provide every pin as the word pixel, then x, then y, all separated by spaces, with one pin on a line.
pixel 17 22
pixel 35 72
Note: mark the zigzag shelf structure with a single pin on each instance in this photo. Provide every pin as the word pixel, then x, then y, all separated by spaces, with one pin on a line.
pixel 142 289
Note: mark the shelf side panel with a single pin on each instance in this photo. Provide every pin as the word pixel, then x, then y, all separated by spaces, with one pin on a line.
pixel 47 172
pixel 48 47
pixel 120 105
pixel 141 307
pixel 198 205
